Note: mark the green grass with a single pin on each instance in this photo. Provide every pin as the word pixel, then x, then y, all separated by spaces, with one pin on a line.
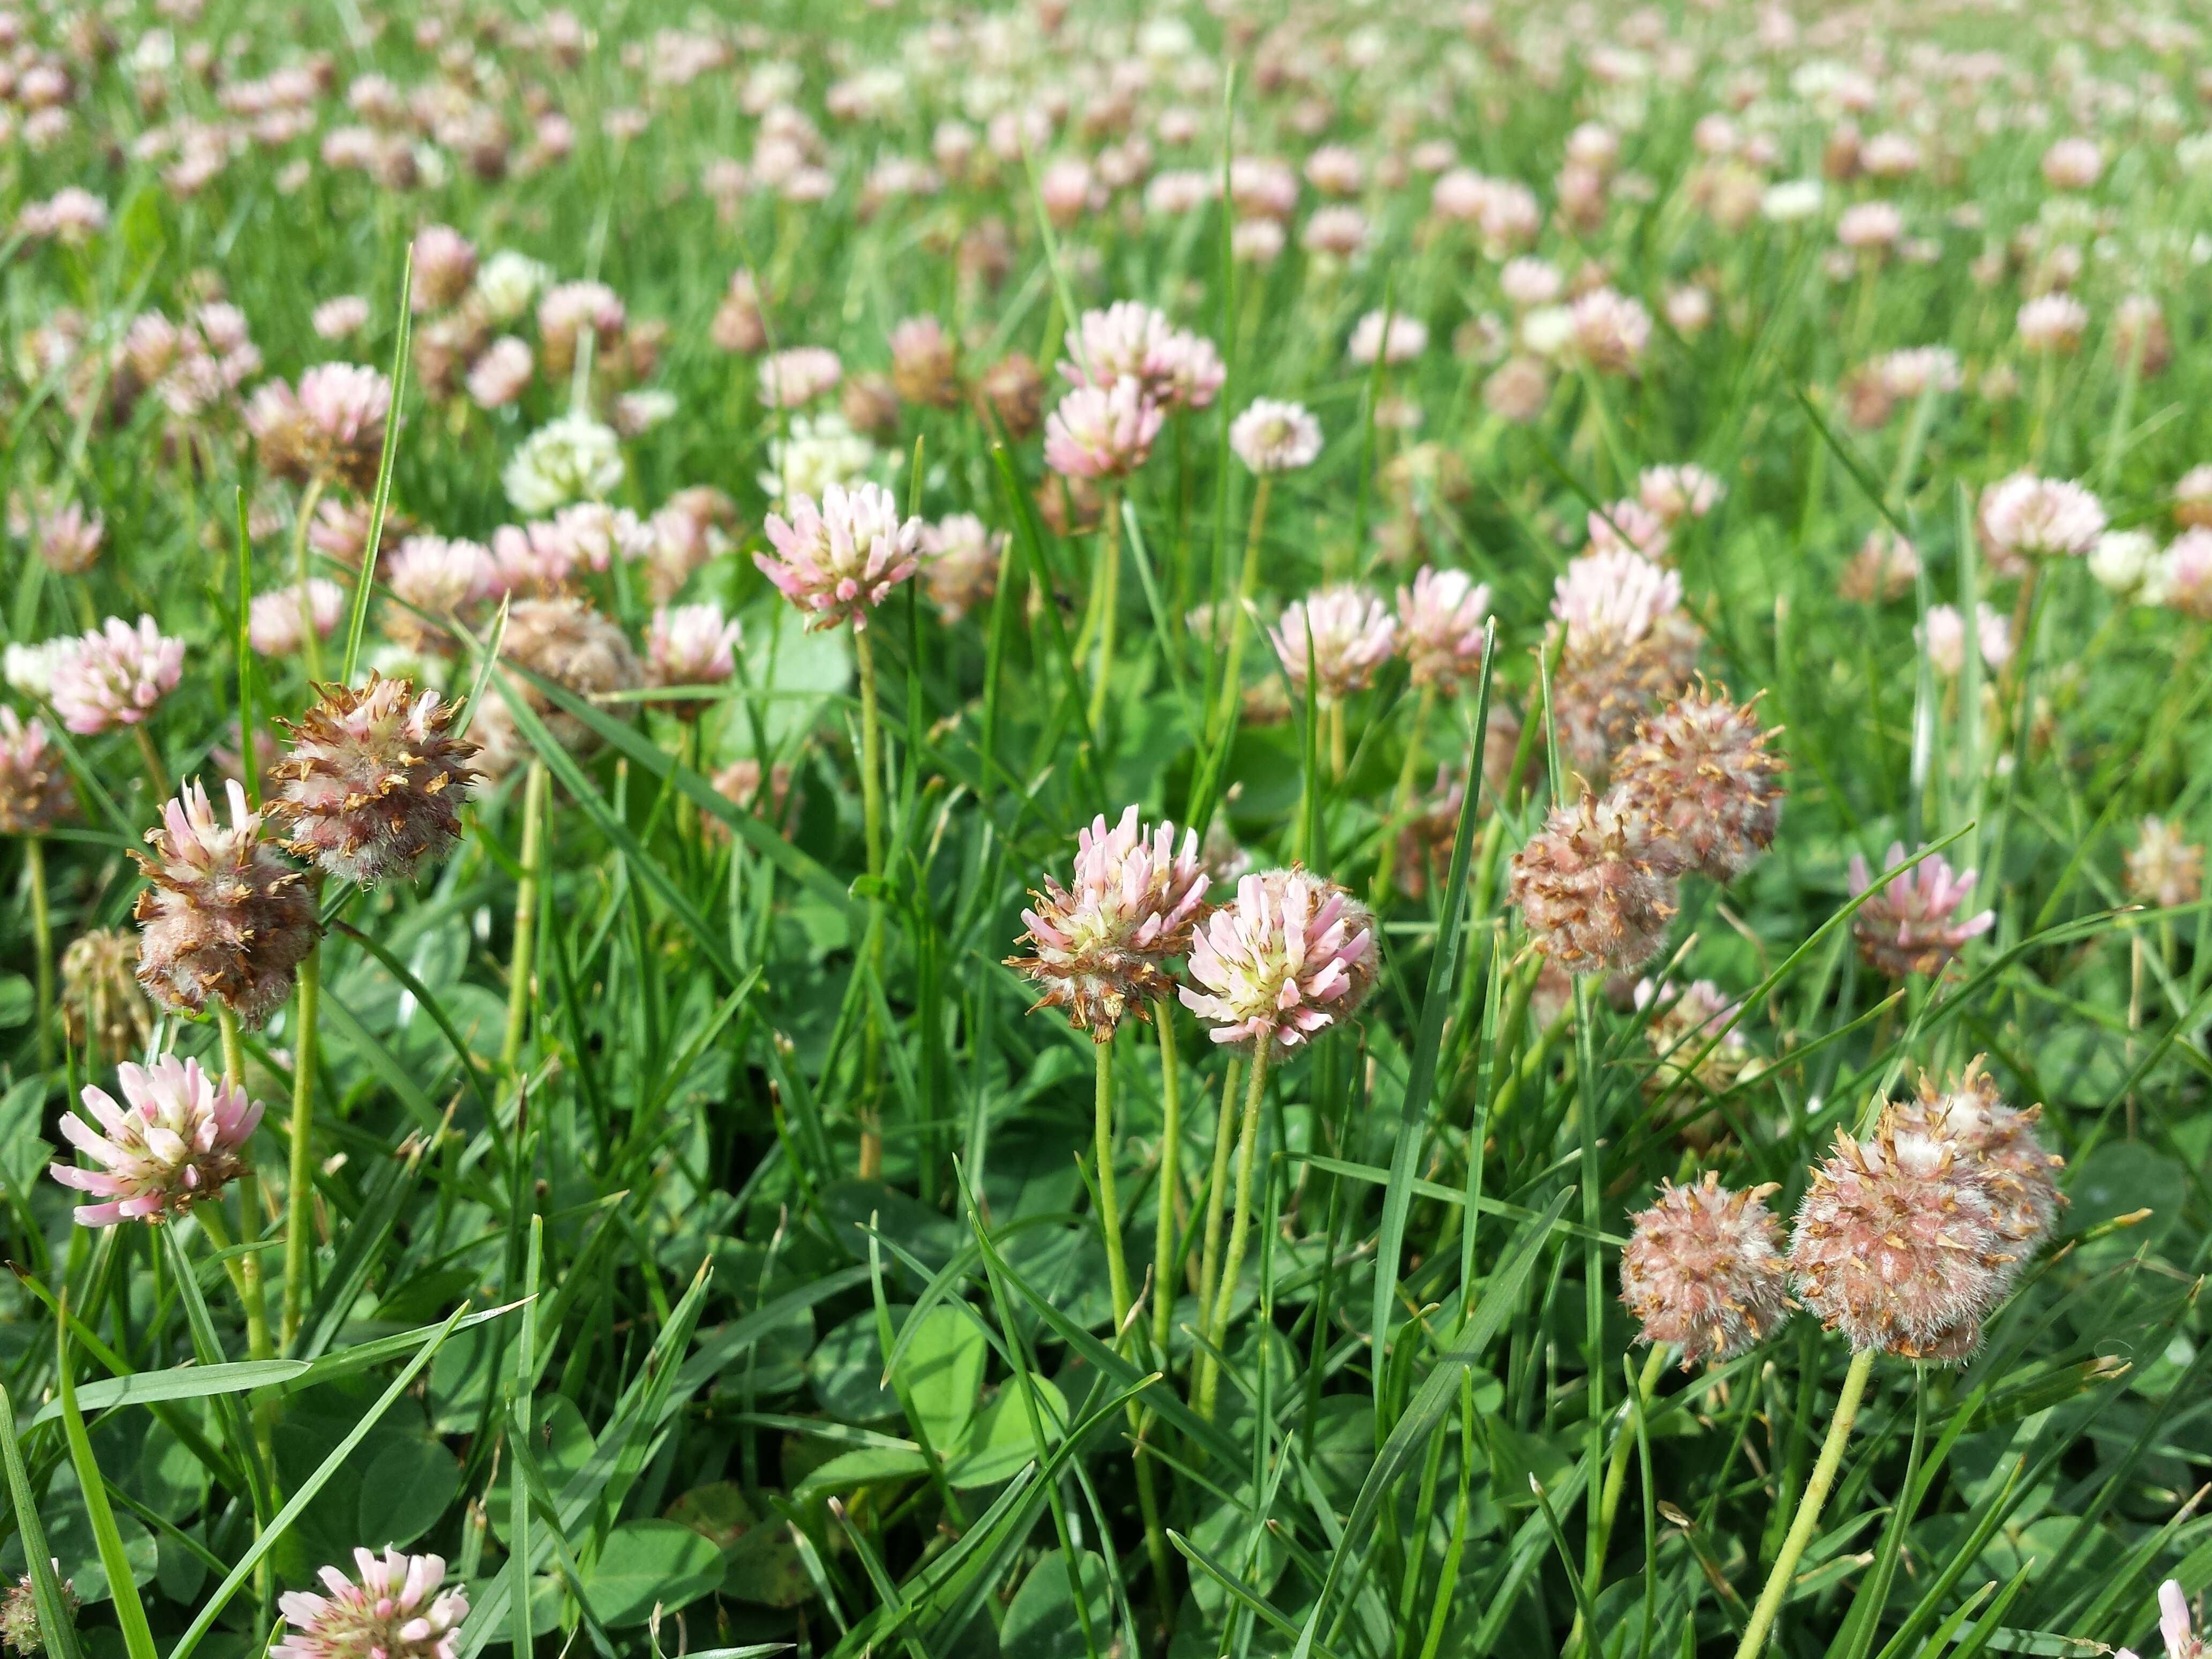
pixel 610 1319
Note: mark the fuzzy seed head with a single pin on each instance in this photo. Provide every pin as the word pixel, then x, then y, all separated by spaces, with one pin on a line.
pixel 391 1609
pixel 2163 868
pixel 1898 1247
pixel 101 999
pixel 226 920
pixel 375 782
pixel 1700 1270
pixel 20 1632
pixel 1700 771
pixel 1994 1146
pixel 1283 961
pixel 565 641
pixel 1588 889
pixel 178 1140
pixel 1100 945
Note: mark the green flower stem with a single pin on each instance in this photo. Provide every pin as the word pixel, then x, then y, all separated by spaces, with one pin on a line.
pixel 871 815
pixel 1616 1474
pixel 522 966
pixel 1808 1519
pixel 300 1189
pixel 42 941
pixel 1247 584
pixel 1217 1191
pixel 1110 1202
pixel 1117 1275
pixel 1402 801
pixel 1108 590
pixel 157 775
pixel 1248 1145
pixel 247 1279
pixel 1163 1234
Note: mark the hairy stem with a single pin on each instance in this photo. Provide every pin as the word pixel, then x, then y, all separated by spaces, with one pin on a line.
pixel 1806 1520
pixel 1240 1228
pixel 300 1190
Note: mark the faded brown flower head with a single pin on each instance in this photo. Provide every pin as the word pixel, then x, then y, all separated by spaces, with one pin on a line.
pixel 101 1002
pixel 1700 1270
pixel 1588 889
pixel 1700 771
pixel 226 920
pixel 1994 1146
pixel 1898 1248
pixel 2162 867
pixel 35 790
pixel 1014 388
pixel 566 641
pixel 1602 698
pixel 926 363
pixel 375 782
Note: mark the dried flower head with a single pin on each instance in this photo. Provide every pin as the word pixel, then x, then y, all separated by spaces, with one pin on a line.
pixel 375 782
pixel 1896 1249
pixel 566 641
pixel 332 428
pixel 960 562
pixel 926 363
pixel 2162 867
pixel 1698 1043
pixel 1348 631
pixel 1700 1270
pixel 1883 569
pixel 839 561
pixel 180 1141
pixel 1287 958
pixel 1995 1146
pixel 21 1633
pixel 1910 927
pixel 35 790
pixel 1588 889
pixel 1440 618
pixel 226 920
pixel 1101 944
pixel 393 1609
pixel 1700 771
pixel 101 1002
pixel 115 675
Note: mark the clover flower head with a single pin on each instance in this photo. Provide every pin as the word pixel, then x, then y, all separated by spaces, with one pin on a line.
pixel 1288 958
pixel 1700 1270
pixel 839 561
pixel 1100 945
pixel 179 1138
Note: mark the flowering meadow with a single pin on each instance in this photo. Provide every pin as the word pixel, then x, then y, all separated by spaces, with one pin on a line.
pixel 1104 832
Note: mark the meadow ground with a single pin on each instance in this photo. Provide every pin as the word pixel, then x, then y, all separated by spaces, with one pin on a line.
pixel 1370 831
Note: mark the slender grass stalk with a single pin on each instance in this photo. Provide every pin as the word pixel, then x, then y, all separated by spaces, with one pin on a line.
pixel 310 644
pixel 1247 584
pixel 1108 589
pixel 1401 800
pixel 1808 1519
pixel 522 968
pixel 1616 1478
pixel 872 817
pixel 300 1189
pixel 42 941
pixel 1240 1228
